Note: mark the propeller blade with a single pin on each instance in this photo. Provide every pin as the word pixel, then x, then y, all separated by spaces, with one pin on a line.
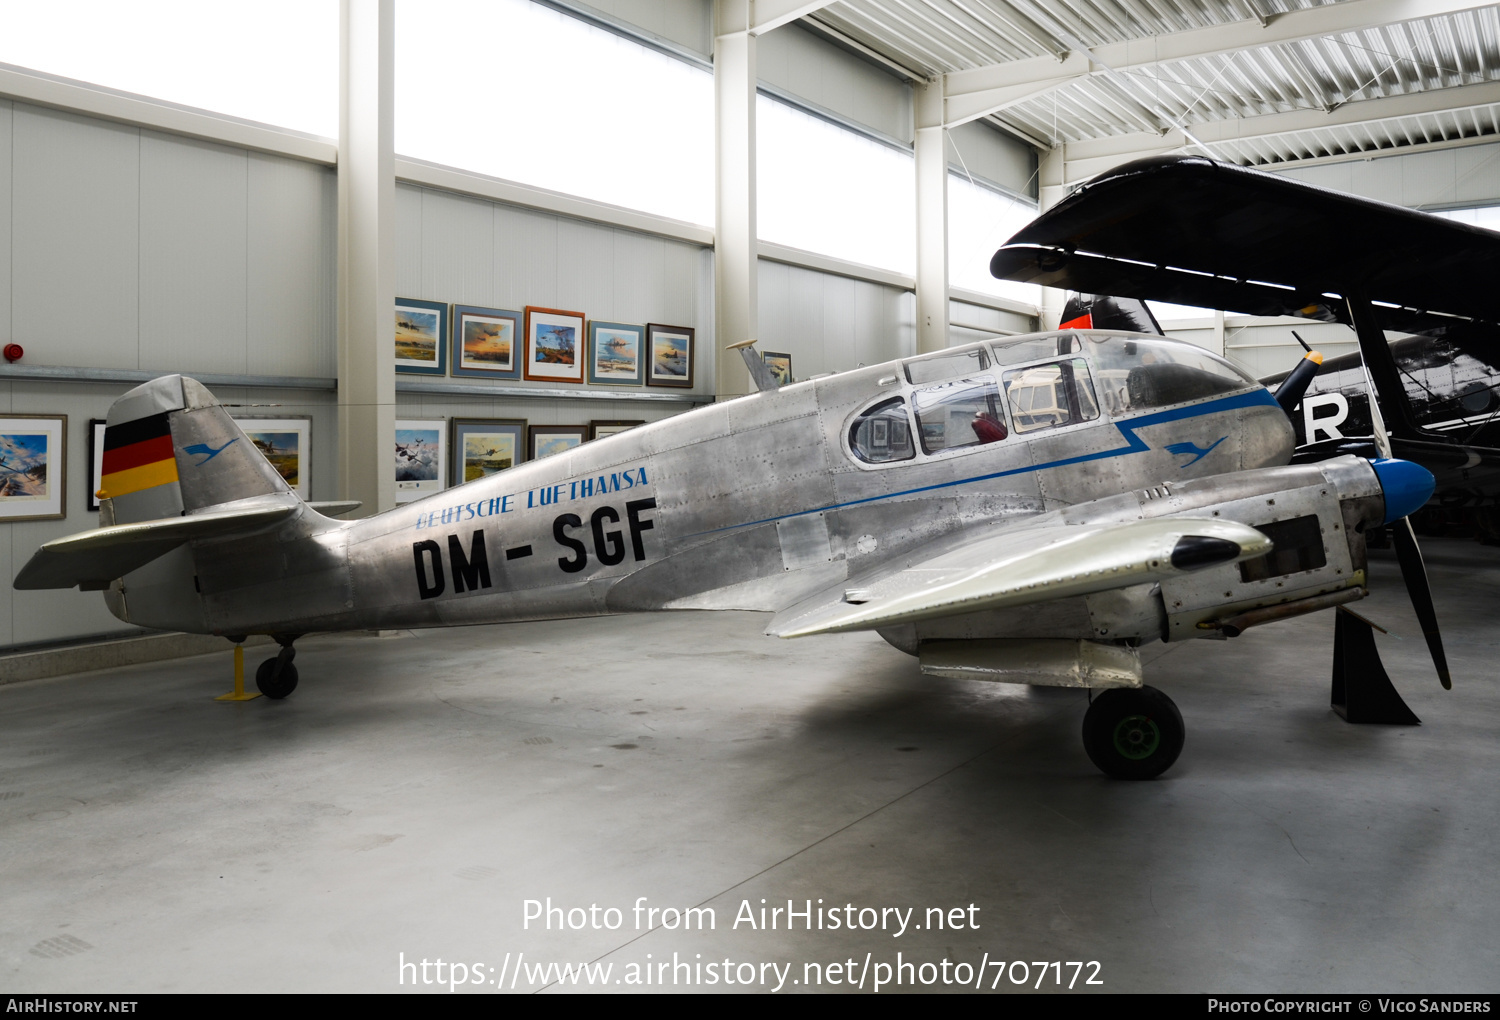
pixel 1414 573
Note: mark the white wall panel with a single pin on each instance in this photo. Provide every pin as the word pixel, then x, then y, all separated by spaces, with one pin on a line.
pixel 408 241
pixel 193 227
pixel 5 248
pixel 574 241
pixel 687 23
pixel 998 158
pixel 831 323
pixel 457 250
pixel 1446 177
pixel 74 220
pixel 794 59
pixel 468 250
pixel 292 270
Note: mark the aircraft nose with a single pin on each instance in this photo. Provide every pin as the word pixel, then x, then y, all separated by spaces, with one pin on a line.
pixel 1407 486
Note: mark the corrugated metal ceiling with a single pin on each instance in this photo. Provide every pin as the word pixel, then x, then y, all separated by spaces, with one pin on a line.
pixel 1326 73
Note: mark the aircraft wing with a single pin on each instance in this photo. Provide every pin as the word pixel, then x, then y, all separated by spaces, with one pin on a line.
pixel 92 559
pixel 1200 232
pixel 1016 567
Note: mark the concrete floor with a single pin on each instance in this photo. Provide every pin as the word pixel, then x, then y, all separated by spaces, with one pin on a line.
pixel 417 790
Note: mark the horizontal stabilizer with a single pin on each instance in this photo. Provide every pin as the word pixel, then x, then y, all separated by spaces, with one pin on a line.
pixel 1029 565
pixel 92 559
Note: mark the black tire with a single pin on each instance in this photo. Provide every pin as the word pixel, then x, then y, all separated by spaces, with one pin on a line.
pixel 1133 733
pixel 273 685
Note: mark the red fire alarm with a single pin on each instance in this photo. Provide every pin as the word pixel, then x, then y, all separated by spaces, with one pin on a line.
pixel 13 352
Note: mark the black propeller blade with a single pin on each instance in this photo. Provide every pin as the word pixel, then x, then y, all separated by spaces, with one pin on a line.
pixel 1294 387
pixel 1414 573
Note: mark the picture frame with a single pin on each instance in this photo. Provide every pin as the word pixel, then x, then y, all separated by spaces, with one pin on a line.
pixel 669 353
pixel 33 467
pixel 481 447
pixel 615 353
pixel 548 440
pixel 421 337
pixel 96 463
pixel 555 343
pixel 420 458
pixel 780 366
pixel 486 342
pixel 600 429
pixel 286 443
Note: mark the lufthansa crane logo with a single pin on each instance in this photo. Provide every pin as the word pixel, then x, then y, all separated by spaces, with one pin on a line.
pixel 207 452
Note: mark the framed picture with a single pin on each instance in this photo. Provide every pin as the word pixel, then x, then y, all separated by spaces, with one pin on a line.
pixel 670 349
pixel 421 337
pixel 546 440
pixel 600 429
pixel 287 444
pixel 554 345
pixel 615 353
pixel 485 342
pixel 33 466
pixel 780 366
pixel 420 458
pixel 96 463
pixel 485 446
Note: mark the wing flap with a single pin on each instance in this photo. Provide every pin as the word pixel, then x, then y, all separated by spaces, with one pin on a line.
pixel 92 559
pixel 1025 566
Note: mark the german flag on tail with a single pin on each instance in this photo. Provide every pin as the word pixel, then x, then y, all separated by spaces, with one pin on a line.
pixel 137 455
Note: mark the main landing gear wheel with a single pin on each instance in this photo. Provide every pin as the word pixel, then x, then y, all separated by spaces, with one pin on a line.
pixel 1133 733
pixel 277 677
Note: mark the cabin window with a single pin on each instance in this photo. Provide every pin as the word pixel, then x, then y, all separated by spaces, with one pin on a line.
pixel 946 365
pixel 882 434
pixel 965 412
pixel 1046 396
pixel 1298 546
pixel 1137 374
pixel 1014 352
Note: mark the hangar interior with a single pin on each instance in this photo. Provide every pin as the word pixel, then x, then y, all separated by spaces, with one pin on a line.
pixel 829 179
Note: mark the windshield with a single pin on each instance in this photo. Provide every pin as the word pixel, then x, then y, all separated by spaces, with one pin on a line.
pixel 1136 373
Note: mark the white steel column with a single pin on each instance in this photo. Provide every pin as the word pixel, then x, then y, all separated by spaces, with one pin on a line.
pixel 367 252
pixel 1050 191
pixel 736 267
pixel 932 218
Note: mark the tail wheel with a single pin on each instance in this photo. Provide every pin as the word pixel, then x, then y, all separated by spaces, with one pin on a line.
pixel 1133 733
pixel 276 683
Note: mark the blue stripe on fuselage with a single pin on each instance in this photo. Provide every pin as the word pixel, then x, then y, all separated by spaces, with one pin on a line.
pixel 1133 444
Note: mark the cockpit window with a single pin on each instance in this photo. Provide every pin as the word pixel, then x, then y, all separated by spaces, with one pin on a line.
pixel 882 434
pixel 1136 374
pixel 946 365
pixel 1046 396
pixel 965 412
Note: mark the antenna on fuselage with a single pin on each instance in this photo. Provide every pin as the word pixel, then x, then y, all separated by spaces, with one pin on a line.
pixel 760 372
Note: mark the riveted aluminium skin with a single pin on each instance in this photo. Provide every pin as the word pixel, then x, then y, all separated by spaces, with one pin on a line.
pixel 750 503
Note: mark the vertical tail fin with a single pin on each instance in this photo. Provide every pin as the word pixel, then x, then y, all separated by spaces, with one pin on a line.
pixel 1094 311
pixel 170 449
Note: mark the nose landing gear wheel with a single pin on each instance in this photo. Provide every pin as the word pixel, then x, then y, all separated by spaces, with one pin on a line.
pixel 1133 733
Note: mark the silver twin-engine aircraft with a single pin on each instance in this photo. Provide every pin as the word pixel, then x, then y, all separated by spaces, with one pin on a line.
pixel 1029 509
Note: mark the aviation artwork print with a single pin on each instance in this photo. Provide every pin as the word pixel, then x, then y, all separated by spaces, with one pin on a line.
pixel 1029 509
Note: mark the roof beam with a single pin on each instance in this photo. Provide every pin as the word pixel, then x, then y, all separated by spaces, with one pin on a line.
pixel 768 14
pixel 983 90
pixel 1083 160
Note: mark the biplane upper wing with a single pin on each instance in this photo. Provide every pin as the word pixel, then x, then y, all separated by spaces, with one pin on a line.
pixel 1196 231
pixel 1019 566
